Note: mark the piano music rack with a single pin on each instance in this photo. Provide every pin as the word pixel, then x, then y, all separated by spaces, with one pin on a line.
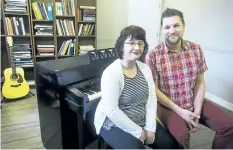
pixel 101 54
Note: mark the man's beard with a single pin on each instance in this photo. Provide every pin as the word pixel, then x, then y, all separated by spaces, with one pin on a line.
pixel 173 42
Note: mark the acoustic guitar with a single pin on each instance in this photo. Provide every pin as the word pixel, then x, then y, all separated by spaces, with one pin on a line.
pixel 15 85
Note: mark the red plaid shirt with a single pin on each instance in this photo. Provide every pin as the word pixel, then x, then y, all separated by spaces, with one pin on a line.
pixel 176 73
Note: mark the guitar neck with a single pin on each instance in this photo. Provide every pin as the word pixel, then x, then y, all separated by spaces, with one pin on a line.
pixel 12 61
pixel 10 44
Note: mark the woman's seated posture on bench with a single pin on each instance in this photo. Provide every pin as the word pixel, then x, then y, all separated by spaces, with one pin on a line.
pixel 126 115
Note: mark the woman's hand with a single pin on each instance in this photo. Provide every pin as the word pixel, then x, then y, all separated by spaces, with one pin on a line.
pixel 150 137
pixel 143 136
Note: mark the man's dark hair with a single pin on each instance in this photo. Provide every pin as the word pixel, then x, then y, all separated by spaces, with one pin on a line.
pixel 170 12
pixel 134 32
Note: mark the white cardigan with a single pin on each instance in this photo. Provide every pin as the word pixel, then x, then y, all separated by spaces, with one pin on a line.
pixel 112 84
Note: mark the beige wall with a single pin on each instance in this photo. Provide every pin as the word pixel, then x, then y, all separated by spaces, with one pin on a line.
pixel 111 18
pixel 146 13
pixel 113 15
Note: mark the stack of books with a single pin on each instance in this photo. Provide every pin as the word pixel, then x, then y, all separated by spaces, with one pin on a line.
pixel 43 29
pixel 15 6
pixel 45 50
pixel 86 13
pixel 22 55
pixel 84 49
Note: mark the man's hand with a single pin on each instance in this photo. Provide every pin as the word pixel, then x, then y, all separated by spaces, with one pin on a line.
pixel 190 127
pixel 189 117
pixel 150 137
pixel 143 136
pixel 196 120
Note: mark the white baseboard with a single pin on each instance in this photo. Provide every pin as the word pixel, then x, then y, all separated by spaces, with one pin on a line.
pixel 218 49
pixel 219 101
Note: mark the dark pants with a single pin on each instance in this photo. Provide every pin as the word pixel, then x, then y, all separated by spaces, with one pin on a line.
pixel 118 139
pixel 211 116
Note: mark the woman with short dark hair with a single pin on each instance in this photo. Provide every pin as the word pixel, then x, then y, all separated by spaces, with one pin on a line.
pixel 126 114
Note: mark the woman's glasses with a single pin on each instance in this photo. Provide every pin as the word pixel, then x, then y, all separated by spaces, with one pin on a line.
pixel 133 43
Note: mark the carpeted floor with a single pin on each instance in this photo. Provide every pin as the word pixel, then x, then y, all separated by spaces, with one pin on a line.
pixel 20 127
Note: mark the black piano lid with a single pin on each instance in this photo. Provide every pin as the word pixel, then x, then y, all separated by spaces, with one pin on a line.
pixel 74 69
pixel 64 63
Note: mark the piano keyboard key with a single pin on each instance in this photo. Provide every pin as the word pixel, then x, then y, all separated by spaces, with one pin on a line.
pixel 92 95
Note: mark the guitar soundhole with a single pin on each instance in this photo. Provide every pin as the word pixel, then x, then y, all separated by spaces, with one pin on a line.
pixel 17 77
pixel 14 76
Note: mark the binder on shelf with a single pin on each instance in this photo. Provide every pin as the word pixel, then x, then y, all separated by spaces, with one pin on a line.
pixel 50 11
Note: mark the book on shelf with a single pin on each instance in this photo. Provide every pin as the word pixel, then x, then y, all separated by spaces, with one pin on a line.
pixel 65 8
pixel 65 27
pixel 49 46
pixel 15 6
pixel 86 29
pixel 15 26
pixel 45 50
pixel 86 13
pixel 42 11
pixel 42 29
pixel 67 48
pixel 84 49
